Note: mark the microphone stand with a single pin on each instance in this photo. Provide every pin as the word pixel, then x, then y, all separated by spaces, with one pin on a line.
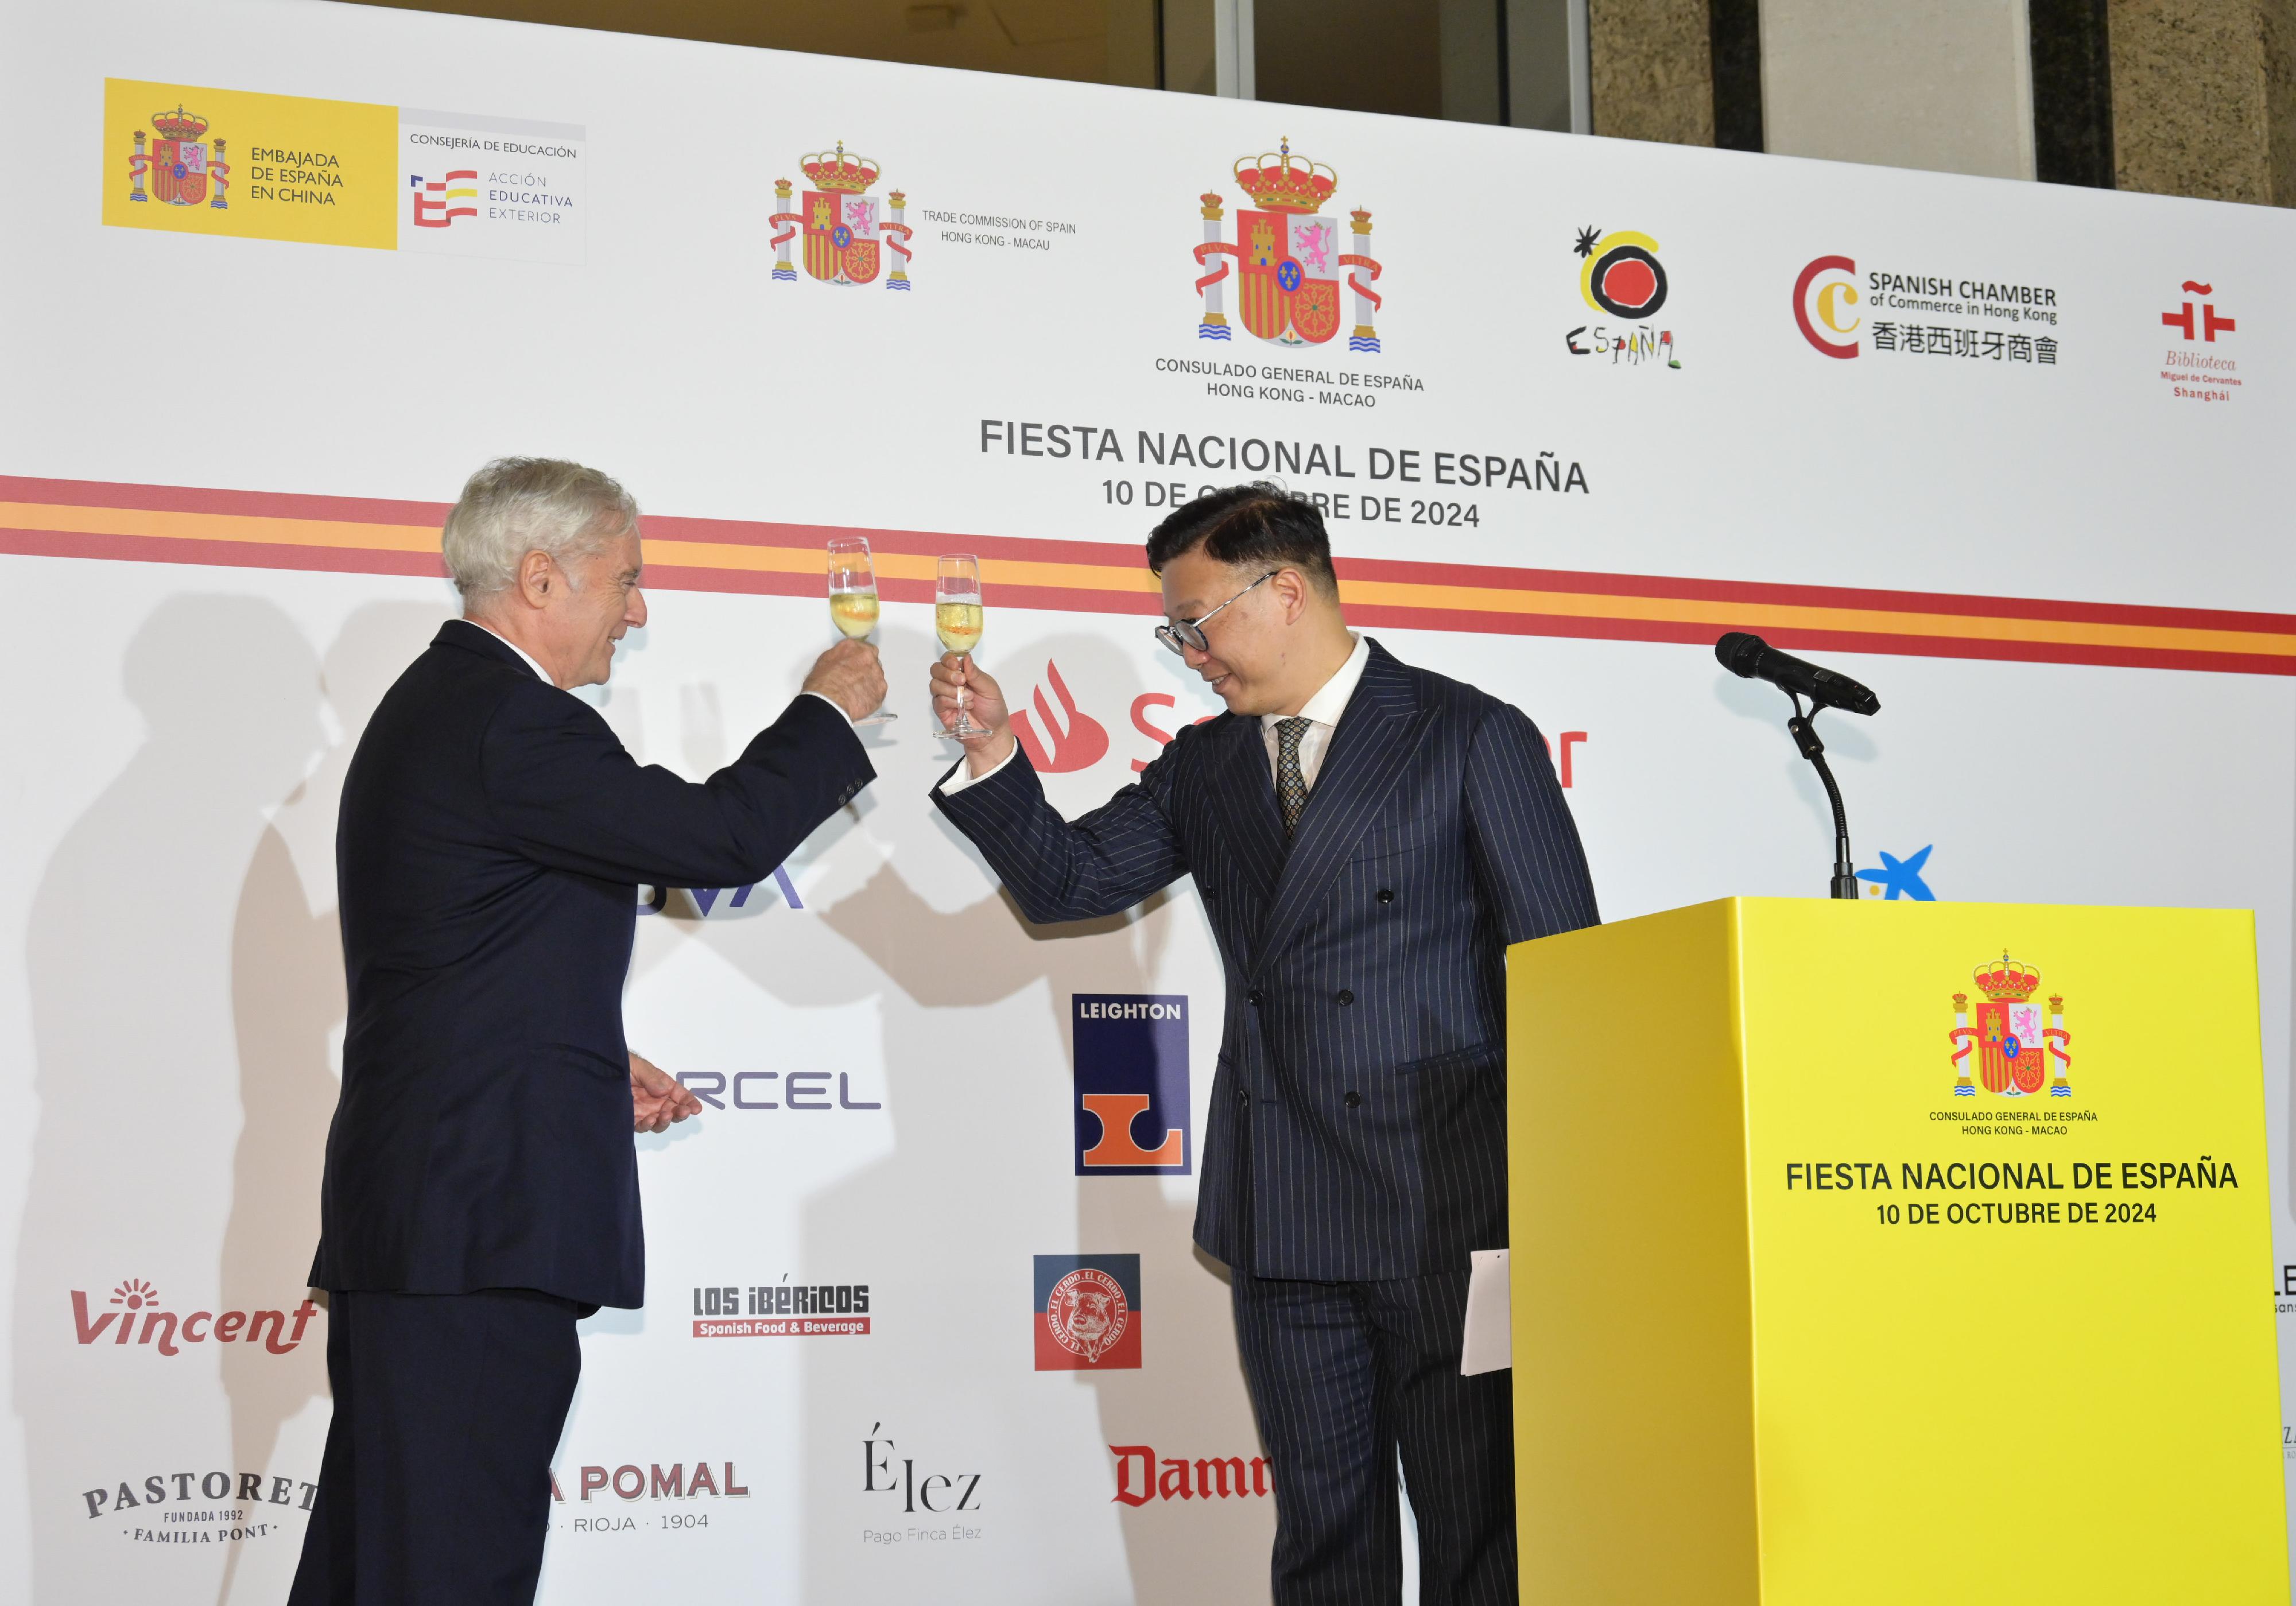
pixel 1845 879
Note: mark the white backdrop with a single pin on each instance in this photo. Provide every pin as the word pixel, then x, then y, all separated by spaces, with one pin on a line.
pixel 170 985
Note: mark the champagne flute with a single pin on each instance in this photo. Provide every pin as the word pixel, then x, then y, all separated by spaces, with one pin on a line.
pixel 957 621
pixel 853 599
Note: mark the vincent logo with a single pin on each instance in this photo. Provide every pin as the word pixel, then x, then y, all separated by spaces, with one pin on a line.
pixel 1071 740
pixel 845 237
pixel 1288 289
pixel 136 1318
pixel 2016 1048
pixel 181 165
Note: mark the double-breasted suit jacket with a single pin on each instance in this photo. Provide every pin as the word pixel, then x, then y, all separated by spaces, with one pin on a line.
pixel 1358 1123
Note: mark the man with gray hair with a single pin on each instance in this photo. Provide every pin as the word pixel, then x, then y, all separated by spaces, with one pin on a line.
pixel 480 1194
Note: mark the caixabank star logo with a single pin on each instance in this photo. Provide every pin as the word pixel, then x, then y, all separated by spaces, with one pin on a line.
pixel 2017 1045
pixel 1088 1313
pixel 847 239
pixel 1288 262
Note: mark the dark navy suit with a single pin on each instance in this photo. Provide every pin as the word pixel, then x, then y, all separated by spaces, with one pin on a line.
pixel 481 1191
pixel 1356 1151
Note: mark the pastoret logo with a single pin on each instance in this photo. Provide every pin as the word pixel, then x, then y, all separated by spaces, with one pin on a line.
pixel 1088 1313
pixel 1288 290
pixel 2017 1049
pixel 1825 294
pixel 1058 744
pixel 201 1507
pixel 845 236
pixel 1619 274
pixel 807 1310
pixel 136 1317
pixel 1131 1061
pixel 1139 1481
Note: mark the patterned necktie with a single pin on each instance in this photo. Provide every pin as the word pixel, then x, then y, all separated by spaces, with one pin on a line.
pixel 1291 784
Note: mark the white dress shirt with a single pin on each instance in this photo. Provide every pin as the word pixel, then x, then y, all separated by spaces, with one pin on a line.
pixel 544 675
pixel 1323 710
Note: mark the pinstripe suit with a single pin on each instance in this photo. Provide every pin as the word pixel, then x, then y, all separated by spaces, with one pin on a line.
pixel 1356 1151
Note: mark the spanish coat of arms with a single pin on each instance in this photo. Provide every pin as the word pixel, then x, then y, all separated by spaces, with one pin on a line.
pixel 1287 258
pixel 846 237
pixel 181 164
pixel 2017 1045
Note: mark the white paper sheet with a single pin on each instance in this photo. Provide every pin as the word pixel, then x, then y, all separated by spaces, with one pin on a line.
pixel 1489 1345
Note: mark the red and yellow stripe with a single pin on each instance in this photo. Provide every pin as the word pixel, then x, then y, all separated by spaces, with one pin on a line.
pixel 262 529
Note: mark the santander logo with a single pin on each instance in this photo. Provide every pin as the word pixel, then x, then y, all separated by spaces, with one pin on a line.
pixel 1073 741
pixel 139 1320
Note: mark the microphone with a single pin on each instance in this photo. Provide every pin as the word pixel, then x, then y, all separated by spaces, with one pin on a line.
pixel 1752 657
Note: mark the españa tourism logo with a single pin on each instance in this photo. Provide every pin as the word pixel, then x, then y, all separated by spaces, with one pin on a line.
pixel 2015 1046
pixel 1288 257
pixel 845 240
pixel 1620 276
pixel 1088 1313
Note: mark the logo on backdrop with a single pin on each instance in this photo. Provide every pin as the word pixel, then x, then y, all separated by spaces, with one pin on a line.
pixel 938 1494
pixel 1059 742
pixel 631 1483
pixel 847 239
pixel 2205 374
pixel 2017 1047
pixel 1216 1478
pixel 1288 257
pixel 1088 1313
pixel 182 166
pixel 1900 878
pixel 807 1310
pixel 438 202
pixel 133 1313
pixel 201 1507
pixel 1841 312
pixel 1619 275
pixel 1131 1062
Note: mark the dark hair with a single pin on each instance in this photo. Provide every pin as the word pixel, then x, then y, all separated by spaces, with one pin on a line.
pixel 1255 526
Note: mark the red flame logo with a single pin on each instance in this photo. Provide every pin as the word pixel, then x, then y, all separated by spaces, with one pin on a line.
pixel 1073 742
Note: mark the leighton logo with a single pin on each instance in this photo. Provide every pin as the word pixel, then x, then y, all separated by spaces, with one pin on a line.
pixel 135 1318
pixel 1823 296
pixel 1131 1113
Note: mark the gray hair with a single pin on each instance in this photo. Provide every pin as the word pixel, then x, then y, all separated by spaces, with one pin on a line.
pixel 515 505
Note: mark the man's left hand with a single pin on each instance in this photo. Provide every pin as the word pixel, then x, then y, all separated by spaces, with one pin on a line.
pixel 657 1099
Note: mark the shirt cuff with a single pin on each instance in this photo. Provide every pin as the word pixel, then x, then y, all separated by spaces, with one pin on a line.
pixel 963 777
pixel 833 703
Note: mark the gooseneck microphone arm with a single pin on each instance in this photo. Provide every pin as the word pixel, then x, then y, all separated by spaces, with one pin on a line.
pixel 1754 659
pixel 1805 735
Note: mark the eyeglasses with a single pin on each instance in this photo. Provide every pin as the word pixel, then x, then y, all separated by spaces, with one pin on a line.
pixel 1182 635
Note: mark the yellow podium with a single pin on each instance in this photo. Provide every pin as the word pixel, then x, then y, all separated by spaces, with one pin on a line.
pixel 1893 1253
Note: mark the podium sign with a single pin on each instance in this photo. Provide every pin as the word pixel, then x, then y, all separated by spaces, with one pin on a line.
pixel 1893 1252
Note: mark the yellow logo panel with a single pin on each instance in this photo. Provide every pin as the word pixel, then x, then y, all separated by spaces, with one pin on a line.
pixel 191 160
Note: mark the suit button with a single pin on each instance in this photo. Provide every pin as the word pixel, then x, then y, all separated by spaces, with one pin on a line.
pixel 1386 895
pixel 1346 996
pixel 1352 1099
pixel 1252 998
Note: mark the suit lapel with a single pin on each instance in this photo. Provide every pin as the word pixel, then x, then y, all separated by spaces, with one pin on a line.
pixel 1368 758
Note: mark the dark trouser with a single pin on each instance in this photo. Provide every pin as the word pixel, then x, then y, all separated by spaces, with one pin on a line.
pixel 1344 1375
pixel 435 1487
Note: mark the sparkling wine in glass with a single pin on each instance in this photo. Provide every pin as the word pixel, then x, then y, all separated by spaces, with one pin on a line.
pixel 853 599
pixel 957 621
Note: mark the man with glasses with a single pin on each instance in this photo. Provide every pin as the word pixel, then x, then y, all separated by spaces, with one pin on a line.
pixel 1367 838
